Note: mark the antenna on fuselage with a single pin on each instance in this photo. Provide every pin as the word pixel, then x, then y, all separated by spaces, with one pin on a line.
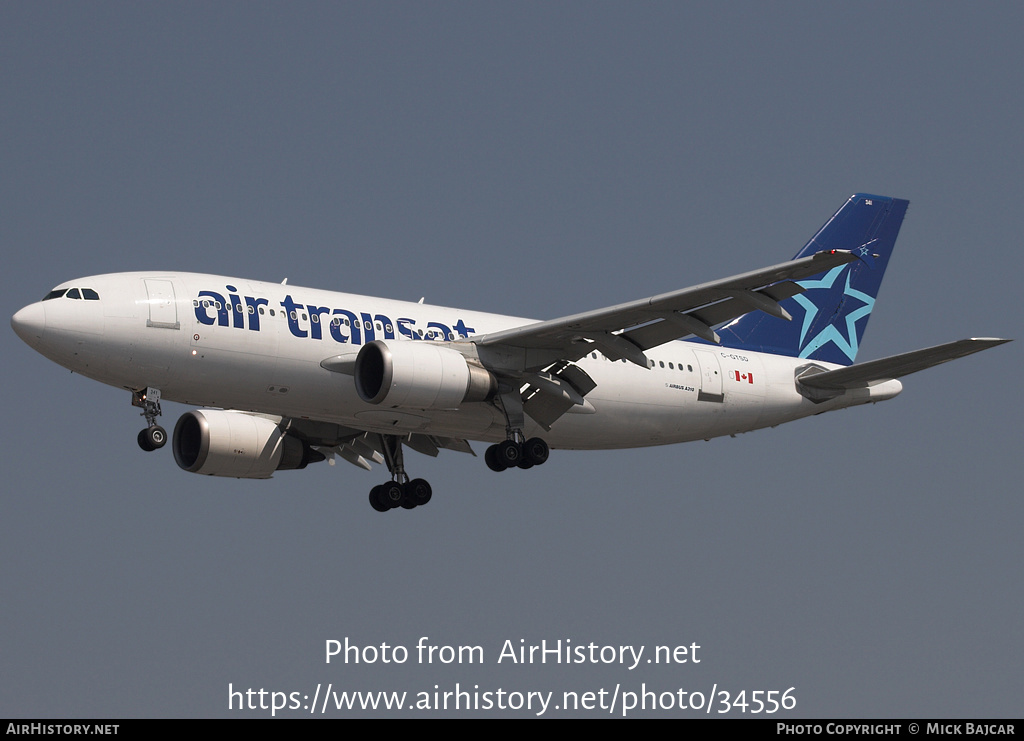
pixel 284 282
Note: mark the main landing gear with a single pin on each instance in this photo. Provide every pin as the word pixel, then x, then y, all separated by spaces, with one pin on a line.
pixel 400 491
pixel 153 436
pixel 516 451
pixel 513 454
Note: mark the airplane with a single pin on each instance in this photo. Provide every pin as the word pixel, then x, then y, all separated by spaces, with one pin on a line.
pixel 287 376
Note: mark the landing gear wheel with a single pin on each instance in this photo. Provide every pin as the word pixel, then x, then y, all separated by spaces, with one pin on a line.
pixel 157 436
pixel 509 453
pixel 417 493
pixel 375 501
pixel 152 438
pixel 536 451
pixel 391 494
pixel 400 491
pixel 491 459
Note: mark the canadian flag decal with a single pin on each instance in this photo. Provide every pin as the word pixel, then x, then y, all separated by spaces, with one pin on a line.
pixel 748 377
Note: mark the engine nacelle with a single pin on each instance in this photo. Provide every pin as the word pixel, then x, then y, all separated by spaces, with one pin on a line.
pixel 419 375
pixel 244 446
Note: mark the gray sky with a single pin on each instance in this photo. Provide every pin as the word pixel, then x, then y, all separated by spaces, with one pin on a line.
pixel 538 160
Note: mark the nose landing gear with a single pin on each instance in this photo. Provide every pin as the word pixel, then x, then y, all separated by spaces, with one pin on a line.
pixel 153 436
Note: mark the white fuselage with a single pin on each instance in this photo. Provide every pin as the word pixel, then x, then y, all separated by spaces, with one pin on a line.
pixel 237 344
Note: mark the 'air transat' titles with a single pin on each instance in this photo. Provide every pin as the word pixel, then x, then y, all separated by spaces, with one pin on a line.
pixel 314 322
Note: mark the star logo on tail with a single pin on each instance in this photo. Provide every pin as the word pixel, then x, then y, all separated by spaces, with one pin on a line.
pixel 820 295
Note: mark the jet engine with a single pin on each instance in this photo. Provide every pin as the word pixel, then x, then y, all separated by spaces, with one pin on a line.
pixel 245 446
pixel 419 375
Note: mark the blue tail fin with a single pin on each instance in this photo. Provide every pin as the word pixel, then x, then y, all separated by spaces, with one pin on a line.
pixel 829 317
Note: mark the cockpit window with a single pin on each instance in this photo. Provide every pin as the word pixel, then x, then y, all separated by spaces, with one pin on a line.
pixel 87 293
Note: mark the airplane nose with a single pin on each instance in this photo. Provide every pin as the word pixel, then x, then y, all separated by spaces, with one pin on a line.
pixel 29 323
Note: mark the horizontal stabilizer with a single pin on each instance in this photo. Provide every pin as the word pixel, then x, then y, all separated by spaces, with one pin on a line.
pixel 896 366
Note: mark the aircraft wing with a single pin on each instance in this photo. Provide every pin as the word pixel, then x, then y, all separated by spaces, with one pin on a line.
pixel 626 330
pixel 361 448
pixel 896 366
